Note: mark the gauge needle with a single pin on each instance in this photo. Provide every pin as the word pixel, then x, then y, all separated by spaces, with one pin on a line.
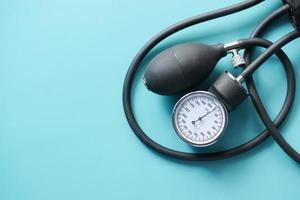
pixel 200 118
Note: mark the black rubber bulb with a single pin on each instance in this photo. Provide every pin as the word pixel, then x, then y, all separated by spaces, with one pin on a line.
pixel 182 67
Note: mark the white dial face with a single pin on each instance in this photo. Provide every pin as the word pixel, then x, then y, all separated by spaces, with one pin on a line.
pixel 199 118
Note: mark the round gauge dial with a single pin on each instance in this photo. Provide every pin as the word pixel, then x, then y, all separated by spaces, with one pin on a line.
pixel 200 118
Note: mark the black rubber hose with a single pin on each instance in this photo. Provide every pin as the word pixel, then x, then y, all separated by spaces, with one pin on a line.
pixel 269 52
pixel 196 156
pixel 261 109
pixel 291 85
pixel 288 149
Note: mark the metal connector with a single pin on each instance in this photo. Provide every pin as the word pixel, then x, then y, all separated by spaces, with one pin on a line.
pixel 240 79
pixel 237 59
pixel 231 45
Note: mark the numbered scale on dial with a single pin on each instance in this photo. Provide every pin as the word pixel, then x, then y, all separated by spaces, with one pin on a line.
pixel 200 118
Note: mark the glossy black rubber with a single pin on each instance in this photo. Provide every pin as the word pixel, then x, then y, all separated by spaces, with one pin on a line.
pixel 173 29
pixel 182 67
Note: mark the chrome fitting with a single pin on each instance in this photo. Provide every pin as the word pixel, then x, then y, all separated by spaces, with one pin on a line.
pixel 232 45
pixel 237 59
pixel 240 79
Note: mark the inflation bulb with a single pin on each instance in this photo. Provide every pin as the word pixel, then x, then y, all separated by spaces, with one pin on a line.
pixel 182 67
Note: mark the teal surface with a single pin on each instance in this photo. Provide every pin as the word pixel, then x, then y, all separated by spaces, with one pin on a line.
pixel 63 134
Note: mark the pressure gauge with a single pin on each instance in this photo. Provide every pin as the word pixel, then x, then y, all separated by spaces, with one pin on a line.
pixel 200 118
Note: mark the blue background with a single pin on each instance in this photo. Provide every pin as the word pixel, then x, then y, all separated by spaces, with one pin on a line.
pixel 63 134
